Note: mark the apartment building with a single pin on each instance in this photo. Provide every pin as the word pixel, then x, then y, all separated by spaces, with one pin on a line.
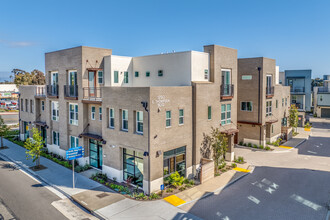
pixel 262 102
pixel 137 117
pixel 322 99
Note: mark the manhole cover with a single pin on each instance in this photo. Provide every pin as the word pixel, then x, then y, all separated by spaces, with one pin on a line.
pixel 102 195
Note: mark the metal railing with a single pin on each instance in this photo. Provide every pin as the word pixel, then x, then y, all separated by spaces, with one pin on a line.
pixel 52 90
pixel 297 89
pixel 226 90
pixel 71 91
pixel 323 90
pixel 270 91
pixel 40 91
pixel 299 105
pixel 92 93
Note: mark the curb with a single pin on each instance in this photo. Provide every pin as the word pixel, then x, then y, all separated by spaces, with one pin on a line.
pixel 302 142
pixel 32 173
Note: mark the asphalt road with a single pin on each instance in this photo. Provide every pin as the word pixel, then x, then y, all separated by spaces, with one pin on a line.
pixel 24 198
pixel 10 118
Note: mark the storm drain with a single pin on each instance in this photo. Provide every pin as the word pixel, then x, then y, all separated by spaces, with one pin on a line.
pixel 102 195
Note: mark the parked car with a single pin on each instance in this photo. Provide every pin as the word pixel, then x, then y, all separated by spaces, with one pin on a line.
pixel 11 106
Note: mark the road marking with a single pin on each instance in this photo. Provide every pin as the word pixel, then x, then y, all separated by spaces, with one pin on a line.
pixel 286 147
pixel 254 199
pixel 174 200
pixel 306 202
pixel 242 170
pixel 312 152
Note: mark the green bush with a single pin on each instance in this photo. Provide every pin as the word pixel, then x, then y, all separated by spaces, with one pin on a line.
pixel 249 145
pixel 255 146
pixel 182 188
pixel 186 181
pixel 307 125
pixel 192 182
pixel 154 196
pixel 222 165
pixel 241 143
pixel 140 196
pixel 169 190
pixel 101 181
pixel 244 144
pixel 267 148
pixel 233 165
pixel 175 179
pixel 239 160
pixel 189 185
pixel 261 147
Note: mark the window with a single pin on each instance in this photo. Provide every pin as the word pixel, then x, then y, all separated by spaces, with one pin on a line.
pixel 294 99
pixel 225 114
pixel 26 105
pixel 73 114
pixel 93 113
pixel 100 77
pixel 147 74
pixel 226 77
pixel 124 120
pixel 31 106
pixel 282 102
pixel 181 116
pixel 276 103
pixel 206 74
pixel 125 77
pixel 168 119
pixel 160 73
pixel 115 80
pixel 286 101
pixel 136 74
pixel 22 105
pixel 133 166
pixel 139 122
pixel 209 112
pixel 42 105
pixel 55 111
pixel 268 108
pixel 74 141
pixel 246 77
pixel 272 128
pixel 56 138
pixel 175 160
pixel 100 113
pixel 111 118
pixel 246 106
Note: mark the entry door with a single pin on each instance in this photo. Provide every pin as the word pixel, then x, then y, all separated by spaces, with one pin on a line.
pixel 54 82
pixel 95 154
pixel 44 135
pixel 72 82
pixel 91 83
pixel 226 81
pixel 269 81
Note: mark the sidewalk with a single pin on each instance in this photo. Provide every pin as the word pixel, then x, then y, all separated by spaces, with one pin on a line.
pixel 95 197
pixel 300 138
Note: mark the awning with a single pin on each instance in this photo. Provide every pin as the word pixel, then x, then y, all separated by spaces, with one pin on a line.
pixel 230 131
pixel 271 120
pixel 94 69
pixel 92 136
pixel 40 123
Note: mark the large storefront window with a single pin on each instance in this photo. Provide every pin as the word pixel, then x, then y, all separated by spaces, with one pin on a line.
pixel 175 160
pixel 95 153
pixel 133 166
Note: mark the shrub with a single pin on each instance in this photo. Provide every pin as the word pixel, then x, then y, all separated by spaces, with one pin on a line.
pixel 255 146
pixel 140 196
pixel 101 181
pixel 241 143
pixel 249 145
pixel 189 185
pixel 192 182
pixel 267 148
pixel 186 181
pixel 154 196
pixel 222 165
pixel 244 144
pixel 102 176
pixel 268 143
pixel 217 174
pixel 169 190
pixel 114 179
pixel 182 188
pixel 307 125
pixel 175 179
pixel 240 160
pixel 233 165
pixel 261 147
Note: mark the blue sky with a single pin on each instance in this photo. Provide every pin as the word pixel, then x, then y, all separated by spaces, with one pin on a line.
pixel 295 33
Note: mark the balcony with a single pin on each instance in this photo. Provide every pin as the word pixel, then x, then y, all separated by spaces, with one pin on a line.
pixel 40 92
pixel 299 106
pixel 71 91
pixel 297 90
pixel 92 95
pixel 323 90
pixel 52 91
pixel 227 91
pixel 269 92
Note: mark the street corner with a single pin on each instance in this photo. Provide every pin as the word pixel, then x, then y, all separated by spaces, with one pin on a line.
pixel 174 200
pixel 241 170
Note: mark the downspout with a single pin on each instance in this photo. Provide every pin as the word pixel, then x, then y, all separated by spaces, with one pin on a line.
pixel 19 115
pixel 145 106
pixel 259 111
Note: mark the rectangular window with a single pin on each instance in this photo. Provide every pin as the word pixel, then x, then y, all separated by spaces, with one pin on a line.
pixel 133 166
pixel 209 112
pixel 147 74
pixel 115 79
pixel 42 105
pixel 124 120
pixel 100 77
pixel 282 102
pixel 93 113
pixel 246 77
pixel 225 114
pixel 206 74
pixel 286 101
pixel 181 116
pixel 26 105
pixel 56 138
pixel 111 118
pixel 268 108
pixel 246 106
pixel 272 128
pixel 168 119
pixel 175 160
pixel 22 105
pixel 276 103
pixel 74 141
pixel 73 114
pixel 125 77
pixel 100 113
pixel 55 111
pixel 31 106
pixel 160 73
pixel 139 122
pixel 136 74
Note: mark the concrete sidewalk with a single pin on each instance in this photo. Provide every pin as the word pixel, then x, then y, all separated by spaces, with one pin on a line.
pixel 297 140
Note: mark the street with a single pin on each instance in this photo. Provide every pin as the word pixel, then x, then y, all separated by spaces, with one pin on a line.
pixel 288 184
pixel 24 198
pixel 10 118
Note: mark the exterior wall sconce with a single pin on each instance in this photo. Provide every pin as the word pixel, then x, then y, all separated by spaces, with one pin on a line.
pixel 146 153
pixel 158 153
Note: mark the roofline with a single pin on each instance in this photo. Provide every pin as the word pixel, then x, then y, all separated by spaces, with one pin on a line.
pixel 76 48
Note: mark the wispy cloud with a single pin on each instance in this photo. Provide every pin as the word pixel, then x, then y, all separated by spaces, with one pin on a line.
pixel 16 43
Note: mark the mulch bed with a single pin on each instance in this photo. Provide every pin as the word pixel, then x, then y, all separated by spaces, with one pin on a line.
pixel 38 168
pixel 4 147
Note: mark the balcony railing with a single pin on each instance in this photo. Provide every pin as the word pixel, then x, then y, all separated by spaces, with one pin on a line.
pixel 270 91
pixel 52 90
pixel 71 91
pixel 299 106
pixel 227 91
pixel 297 89
pixel 92 93
pixel 40 91
pixel 323 90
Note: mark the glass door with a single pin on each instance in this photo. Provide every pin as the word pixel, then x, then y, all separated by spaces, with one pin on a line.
pixel 91 83
pixel 226 82
pixel 72 82
pixel 44 135
pixel 54 82
pixel 95 154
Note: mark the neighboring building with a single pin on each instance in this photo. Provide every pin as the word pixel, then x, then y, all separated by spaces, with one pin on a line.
pixel 322 98
pixel 282 78
pixel 8 92
pixel 139 117
pixel 262 103
pixel 300 83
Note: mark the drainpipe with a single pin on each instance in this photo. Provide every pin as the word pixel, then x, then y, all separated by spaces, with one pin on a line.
pixel 259 111
pixel 19 115
pixel 145 106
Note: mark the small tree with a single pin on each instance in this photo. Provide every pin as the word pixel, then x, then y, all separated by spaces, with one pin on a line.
pixel 34 146
pixel 293 117
pixel 3 130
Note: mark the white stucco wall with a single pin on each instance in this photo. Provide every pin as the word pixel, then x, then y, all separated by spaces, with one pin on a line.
pixel 199 62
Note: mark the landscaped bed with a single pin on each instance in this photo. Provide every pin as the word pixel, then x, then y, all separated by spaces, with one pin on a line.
pixel 175 184
pixel 259 147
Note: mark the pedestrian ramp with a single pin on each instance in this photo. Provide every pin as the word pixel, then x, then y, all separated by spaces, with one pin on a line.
pixel 293 143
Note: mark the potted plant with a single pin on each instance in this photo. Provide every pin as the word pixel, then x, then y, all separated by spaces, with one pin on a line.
pixel 307 127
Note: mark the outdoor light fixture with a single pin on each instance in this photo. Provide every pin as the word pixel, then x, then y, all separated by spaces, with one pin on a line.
pixel 158 153
pixel 79 136
pixel 146 153
pixel 104 141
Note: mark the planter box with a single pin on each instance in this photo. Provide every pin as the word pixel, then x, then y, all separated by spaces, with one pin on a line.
pixel 307 129
pixel 207 170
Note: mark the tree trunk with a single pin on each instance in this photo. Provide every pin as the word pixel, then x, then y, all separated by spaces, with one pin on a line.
pixel 38 162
